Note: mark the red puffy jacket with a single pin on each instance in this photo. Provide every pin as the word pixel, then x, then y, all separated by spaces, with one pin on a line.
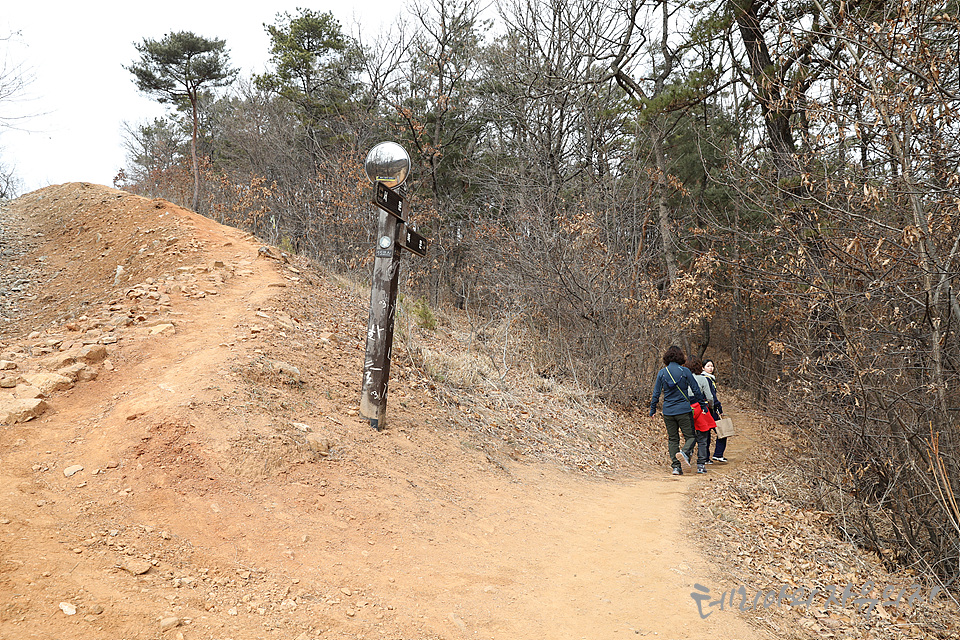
pixel 702 420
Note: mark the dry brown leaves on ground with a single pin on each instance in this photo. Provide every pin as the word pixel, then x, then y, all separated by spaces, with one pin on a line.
pixel 786 564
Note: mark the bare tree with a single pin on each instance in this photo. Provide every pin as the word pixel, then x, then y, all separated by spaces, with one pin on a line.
pixel 14 79
pixel 858 306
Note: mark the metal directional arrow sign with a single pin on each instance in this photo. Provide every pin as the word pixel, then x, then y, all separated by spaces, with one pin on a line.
pixel 388 200
pixel 414 242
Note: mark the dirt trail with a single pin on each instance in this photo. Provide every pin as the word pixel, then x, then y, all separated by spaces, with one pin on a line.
pixel 229 490
pixel 595 560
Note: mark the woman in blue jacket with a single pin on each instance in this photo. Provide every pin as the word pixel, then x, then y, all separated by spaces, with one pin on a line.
pixel 679 391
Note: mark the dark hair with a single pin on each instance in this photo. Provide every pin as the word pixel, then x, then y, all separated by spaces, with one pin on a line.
pixel 694 364
pixel 709 361
pixel 673 354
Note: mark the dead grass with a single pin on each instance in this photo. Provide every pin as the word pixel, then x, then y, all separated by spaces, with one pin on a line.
pixel 485 379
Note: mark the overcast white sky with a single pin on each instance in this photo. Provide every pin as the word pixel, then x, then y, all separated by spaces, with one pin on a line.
pixel 81 94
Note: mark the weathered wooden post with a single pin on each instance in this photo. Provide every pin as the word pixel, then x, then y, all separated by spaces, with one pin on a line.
pixel 387 165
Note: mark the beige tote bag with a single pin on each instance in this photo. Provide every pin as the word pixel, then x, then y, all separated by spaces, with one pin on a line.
pixel 725 427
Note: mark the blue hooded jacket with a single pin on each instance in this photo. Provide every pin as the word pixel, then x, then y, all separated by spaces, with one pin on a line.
pixel 679 391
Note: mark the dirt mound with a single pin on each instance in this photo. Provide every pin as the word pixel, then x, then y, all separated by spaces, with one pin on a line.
pixel 76 246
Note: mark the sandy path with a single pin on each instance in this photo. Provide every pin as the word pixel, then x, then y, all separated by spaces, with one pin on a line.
pixel 561 557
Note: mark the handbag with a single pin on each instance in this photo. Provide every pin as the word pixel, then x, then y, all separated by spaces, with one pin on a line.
pixel 725 428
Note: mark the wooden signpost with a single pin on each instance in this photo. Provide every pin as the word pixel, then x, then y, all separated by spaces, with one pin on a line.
pixel 387 166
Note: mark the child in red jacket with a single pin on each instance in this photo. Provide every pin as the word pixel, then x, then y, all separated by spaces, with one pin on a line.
pixel 703 422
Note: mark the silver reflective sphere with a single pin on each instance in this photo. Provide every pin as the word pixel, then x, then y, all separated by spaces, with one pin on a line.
pixel 388 163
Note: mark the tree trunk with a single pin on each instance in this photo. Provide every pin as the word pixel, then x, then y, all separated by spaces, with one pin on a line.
pixel 663 207
pixel 767 89
pixel 193 154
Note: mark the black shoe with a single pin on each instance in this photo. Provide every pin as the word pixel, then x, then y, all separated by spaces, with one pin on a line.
pixel 720 459
pixel 677 471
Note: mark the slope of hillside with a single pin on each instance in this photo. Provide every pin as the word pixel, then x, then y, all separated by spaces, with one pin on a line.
pixel 181 457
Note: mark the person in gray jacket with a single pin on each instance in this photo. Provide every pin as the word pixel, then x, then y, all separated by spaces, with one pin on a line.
pixel 680 391
pixel 695 365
